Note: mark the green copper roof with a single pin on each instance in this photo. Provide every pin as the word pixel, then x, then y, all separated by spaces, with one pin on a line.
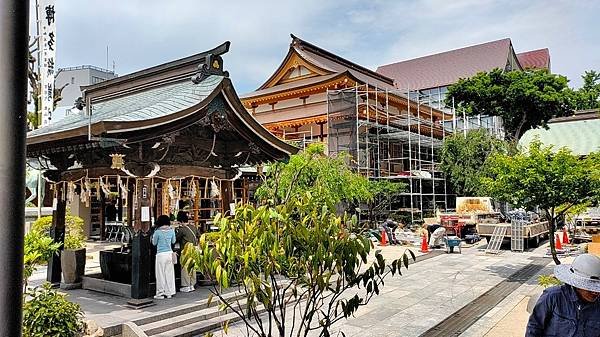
pixel 145 105
pixel 581 137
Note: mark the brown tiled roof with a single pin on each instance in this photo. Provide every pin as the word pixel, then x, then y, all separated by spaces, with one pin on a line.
pixel 535 59
pixel 448 67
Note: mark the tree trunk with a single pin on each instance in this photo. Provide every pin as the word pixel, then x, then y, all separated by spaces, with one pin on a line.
pixel 552 223
pixel 518 131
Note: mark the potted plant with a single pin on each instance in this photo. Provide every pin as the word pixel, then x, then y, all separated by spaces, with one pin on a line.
pixel 72 259
pixel 73 256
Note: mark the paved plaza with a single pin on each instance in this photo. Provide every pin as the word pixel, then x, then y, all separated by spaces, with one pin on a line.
pixel 427 293
pixel 432 290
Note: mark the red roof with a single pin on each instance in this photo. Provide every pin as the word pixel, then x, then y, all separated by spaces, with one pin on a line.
pixel 535 59
pixel 448 67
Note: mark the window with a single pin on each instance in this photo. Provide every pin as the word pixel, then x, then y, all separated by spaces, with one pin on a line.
pixel 97 79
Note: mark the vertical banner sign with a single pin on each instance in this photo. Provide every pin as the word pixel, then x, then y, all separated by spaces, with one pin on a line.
pixel 48 56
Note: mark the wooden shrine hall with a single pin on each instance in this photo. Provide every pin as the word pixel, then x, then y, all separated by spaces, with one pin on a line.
pixel 153 142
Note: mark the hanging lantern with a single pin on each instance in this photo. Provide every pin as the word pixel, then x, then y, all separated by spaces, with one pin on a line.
pixel 117 161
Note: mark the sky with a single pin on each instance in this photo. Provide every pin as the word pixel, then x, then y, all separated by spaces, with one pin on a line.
pixel 144 33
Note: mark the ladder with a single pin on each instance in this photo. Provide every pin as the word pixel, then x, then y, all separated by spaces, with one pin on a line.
pixel 493 246
pixel 516 235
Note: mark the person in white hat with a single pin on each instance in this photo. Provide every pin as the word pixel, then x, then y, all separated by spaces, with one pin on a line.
pixel 571 309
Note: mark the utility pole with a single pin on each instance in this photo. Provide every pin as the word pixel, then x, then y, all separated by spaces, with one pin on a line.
pixel 14 57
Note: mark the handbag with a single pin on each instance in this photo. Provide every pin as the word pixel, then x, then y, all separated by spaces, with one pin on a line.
pixel 174 257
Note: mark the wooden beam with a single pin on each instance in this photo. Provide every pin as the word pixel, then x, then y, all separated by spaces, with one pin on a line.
pixel 166 171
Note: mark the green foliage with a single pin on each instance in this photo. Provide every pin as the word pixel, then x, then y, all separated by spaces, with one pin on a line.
pixel 524 99
pixel 295 257
pixel 74 236
pixel 462 159
pixel 548 281
pixel 37 250
pixel 538 177
pixel 588 96
pixel 328 179
pixel 384 193
pixel 48 313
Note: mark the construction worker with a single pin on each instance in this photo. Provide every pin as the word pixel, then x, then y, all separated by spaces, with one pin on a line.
pixel 437 235
pixel 571 309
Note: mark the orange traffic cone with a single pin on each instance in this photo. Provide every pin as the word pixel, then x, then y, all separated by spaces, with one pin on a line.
pixel 565 239
pixel 558 245
pixel 383 238
pixel 424 245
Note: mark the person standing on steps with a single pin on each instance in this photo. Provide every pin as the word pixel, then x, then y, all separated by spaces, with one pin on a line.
pixel 186 233
pixel 163 238
pixel 571 309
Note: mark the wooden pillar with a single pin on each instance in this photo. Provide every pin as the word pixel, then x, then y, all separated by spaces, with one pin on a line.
pixel 321 131
pixel 226 194
pixel 197 203
pixel 57 232
pixel 120 204
pixel 102 214
pixel 131 188
pixel 141 247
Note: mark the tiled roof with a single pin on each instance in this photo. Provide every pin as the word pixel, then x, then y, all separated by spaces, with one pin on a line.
pixel 145 105
pixel 579 136
pixel 329 61
pixel 535 59
pixel 448 67
pixel 290 86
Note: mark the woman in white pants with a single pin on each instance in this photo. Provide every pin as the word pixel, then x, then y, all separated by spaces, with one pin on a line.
pixel 163 238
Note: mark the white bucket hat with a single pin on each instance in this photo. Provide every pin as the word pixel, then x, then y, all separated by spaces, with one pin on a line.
pixel 583 273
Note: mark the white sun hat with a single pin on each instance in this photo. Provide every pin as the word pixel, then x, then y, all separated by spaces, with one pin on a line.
pixel 583 273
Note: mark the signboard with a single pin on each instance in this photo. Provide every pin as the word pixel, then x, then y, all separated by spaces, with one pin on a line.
pixel 471 205
pixel 47 26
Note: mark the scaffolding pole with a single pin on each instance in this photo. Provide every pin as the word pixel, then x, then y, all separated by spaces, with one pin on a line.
pixel 410 181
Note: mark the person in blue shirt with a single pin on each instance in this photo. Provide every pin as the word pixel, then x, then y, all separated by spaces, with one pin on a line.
pixel 572 309
pixel 164 266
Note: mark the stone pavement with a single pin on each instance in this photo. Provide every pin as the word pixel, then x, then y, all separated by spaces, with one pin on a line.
pixel 427 293
pixel 432 290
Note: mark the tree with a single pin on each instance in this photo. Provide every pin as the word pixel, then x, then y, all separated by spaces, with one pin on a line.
pixel 537 177
pixel 299 266
pixel 328 179
pixel 588 96
pixel 384 193
pixel 463 156
pixel 524 99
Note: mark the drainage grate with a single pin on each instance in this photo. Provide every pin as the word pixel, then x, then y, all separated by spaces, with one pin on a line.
pixel 461 320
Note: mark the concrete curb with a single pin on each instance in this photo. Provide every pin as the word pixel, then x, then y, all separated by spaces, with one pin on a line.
pixel 131 329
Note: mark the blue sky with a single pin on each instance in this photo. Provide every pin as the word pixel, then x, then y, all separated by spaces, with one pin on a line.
pixel 143 33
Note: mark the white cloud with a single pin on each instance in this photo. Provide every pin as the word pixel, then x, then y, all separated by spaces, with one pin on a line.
pixel 142 33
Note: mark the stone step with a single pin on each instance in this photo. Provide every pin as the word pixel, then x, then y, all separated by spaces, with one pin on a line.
pixel 184 319
pixel 186 309
pixel 199 328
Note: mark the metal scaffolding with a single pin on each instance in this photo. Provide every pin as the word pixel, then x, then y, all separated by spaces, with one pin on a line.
pixel 388 139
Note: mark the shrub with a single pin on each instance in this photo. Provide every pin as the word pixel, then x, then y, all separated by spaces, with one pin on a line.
pixel 48 313
pixel 74 237
pixel 548 281
pixel 38 249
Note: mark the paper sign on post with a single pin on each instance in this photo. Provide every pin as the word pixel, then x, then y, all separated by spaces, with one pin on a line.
pixel 145 213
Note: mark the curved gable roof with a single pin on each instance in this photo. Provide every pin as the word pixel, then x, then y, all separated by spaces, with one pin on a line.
pixel 324 61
